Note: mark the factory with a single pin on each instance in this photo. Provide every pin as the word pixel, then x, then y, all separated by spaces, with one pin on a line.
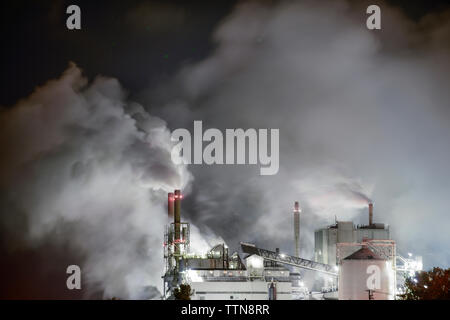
pixel 328 239
pixel 360 263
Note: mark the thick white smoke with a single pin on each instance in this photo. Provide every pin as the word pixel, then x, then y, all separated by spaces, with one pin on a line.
pixel 89 169
pixel 361 114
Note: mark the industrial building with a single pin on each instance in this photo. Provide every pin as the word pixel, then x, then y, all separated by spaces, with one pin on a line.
pixel 221 275
pixel 345 232
pixel 349 255
pixel 353 249
pixel 257 280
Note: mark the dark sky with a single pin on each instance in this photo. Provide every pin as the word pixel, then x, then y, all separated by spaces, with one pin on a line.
pixel 36 46
pixel 116 42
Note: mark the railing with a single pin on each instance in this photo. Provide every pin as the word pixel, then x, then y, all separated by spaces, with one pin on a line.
pixel 289 260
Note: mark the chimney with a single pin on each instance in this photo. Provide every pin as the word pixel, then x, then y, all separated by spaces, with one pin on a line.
pixel 297 228
pixel 177 215
pixel 370 213
pixel 170 205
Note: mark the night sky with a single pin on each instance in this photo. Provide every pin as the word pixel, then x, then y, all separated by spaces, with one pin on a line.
pixel 159 52
pixel 40 46
pixel 37 46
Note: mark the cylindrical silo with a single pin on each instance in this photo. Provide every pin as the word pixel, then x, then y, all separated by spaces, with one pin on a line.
pixel 364 275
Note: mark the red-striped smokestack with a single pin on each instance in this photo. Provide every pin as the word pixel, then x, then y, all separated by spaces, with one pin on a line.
pixel 177 216
pixel 296 207
pixel 170 205
pixel 370 213
pixel 297 228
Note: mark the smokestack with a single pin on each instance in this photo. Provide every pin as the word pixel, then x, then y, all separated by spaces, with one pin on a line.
pixel 370 213
pixel 297 228
pixel 177 216
pixel 170 205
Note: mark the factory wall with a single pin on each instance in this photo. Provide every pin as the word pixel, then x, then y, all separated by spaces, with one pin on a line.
pixel 343 232
pixel 325 246
pixel 378 234
pixel 239 290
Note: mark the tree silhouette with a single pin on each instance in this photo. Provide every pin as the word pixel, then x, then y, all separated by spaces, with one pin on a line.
pixel 428 285
pixel 183 292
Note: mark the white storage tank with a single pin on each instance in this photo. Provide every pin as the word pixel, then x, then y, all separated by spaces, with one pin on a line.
pixel 364 275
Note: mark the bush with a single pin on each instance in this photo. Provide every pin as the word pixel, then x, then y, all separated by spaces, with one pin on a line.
pixel 428 285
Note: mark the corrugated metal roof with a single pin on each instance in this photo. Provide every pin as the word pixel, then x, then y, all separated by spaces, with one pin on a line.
pixel 364 254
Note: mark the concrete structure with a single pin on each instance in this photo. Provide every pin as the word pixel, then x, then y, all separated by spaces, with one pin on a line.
pixel 365 275
pixel 260 280
pixel 297 228
pixel 335 243
pixel 326 239
pixel 240 290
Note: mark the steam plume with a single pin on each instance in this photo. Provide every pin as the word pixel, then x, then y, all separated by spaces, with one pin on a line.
pixel 362 114
pixel 89 169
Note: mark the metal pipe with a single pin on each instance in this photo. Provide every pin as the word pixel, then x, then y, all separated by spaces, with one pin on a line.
pixel 184 234
pixel 272 291
pixel 177 216
pixel 177 231
pixel 297 228
pixel 170 205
